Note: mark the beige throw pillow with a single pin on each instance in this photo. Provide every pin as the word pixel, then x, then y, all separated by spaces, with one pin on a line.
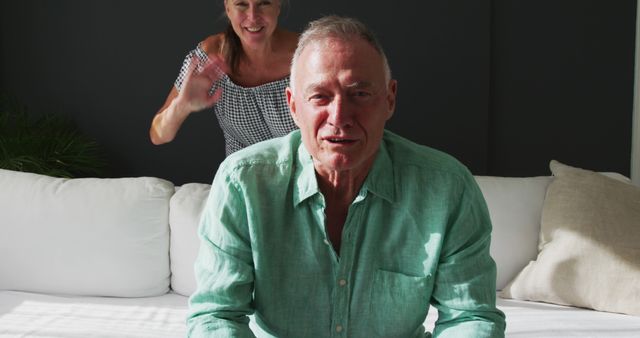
pixel 589 250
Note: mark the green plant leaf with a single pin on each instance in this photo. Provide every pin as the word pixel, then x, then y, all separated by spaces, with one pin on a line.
pixel 50 144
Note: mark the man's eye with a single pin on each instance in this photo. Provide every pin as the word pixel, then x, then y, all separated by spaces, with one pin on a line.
pixel 361 94
pixel 264 3
pixel 318 98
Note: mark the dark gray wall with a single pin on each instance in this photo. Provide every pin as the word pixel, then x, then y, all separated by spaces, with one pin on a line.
pixel 504 86
pixel 561 85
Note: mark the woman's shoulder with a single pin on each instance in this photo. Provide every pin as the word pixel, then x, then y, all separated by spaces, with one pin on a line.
pixel 212 44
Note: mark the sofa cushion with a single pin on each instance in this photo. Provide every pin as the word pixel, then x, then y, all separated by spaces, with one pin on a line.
pixel 515 206
pixel 89 237
pixel 589 245
pixel 186 208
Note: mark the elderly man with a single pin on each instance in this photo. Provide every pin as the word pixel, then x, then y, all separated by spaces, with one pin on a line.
pixel 343 229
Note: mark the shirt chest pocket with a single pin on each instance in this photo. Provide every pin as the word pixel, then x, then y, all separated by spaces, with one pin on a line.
pixel 399 303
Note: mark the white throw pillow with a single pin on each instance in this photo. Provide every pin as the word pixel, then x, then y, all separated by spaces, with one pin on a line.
pixel 515 208
pixel 589 245
pixel 186 209
pixel 89 236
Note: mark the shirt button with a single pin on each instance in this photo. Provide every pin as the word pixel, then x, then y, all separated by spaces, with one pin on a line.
pixel 342 282
pixel 339 328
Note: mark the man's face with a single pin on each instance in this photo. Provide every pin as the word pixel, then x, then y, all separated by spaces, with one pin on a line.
pixel 341 102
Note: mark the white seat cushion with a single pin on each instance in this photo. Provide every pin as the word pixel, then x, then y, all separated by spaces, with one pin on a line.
pixel 186 208
pixel 515 208
pixel 34 315
pixel 45 316
pixel 92 237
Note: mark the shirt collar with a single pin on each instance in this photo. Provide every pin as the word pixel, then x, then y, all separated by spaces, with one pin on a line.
pixel 305 184
pixel 379 181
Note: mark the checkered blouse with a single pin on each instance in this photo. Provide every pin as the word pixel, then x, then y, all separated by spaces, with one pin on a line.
pixel 247 115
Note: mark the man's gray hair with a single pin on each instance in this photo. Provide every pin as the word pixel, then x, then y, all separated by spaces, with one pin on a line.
pixel 343 28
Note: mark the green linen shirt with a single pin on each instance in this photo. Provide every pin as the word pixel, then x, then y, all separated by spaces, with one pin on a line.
pixel 418 233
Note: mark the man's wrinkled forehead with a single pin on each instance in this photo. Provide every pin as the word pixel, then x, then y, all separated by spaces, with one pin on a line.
pixel 325 44
pixel 319 52
pixel 315 46
pixel 354 85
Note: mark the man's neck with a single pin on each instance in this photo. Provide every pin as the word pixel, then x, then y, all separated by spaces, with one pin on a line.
pixel 339 190
pixel 340 187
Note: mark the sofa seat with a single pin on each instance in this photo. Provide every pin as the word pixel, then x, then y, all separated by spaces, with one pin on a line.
pixel 527 319
pixel 24 314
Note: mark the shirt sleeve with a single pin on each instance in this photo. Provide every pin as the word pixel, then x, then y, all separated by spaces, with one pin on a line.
pixel 464 291
pixel 224 267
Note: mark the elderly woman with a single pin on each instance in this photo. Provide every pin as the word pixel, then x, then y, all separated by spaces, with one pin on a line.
pixel 242 73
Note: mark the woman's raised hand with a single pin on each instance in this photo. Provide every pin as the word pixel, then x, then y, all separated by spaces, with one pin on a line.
pixel 197 91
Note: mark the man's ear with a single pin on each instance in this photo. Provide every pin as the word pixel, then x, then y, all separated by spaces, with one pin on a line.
pixel 292 105
pixel 391 97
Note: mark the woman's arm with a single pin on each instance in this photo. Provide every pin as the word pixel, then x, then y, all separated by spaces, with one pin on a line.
pixel 168 119
pixel 192 96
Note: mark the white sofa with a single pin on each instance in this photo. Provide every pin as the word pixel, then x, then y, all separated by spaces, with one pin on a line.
pixel 113 258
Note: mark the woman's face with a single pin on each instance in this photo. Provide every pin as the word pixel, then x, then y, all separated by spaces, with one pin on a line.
pixel 253 20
